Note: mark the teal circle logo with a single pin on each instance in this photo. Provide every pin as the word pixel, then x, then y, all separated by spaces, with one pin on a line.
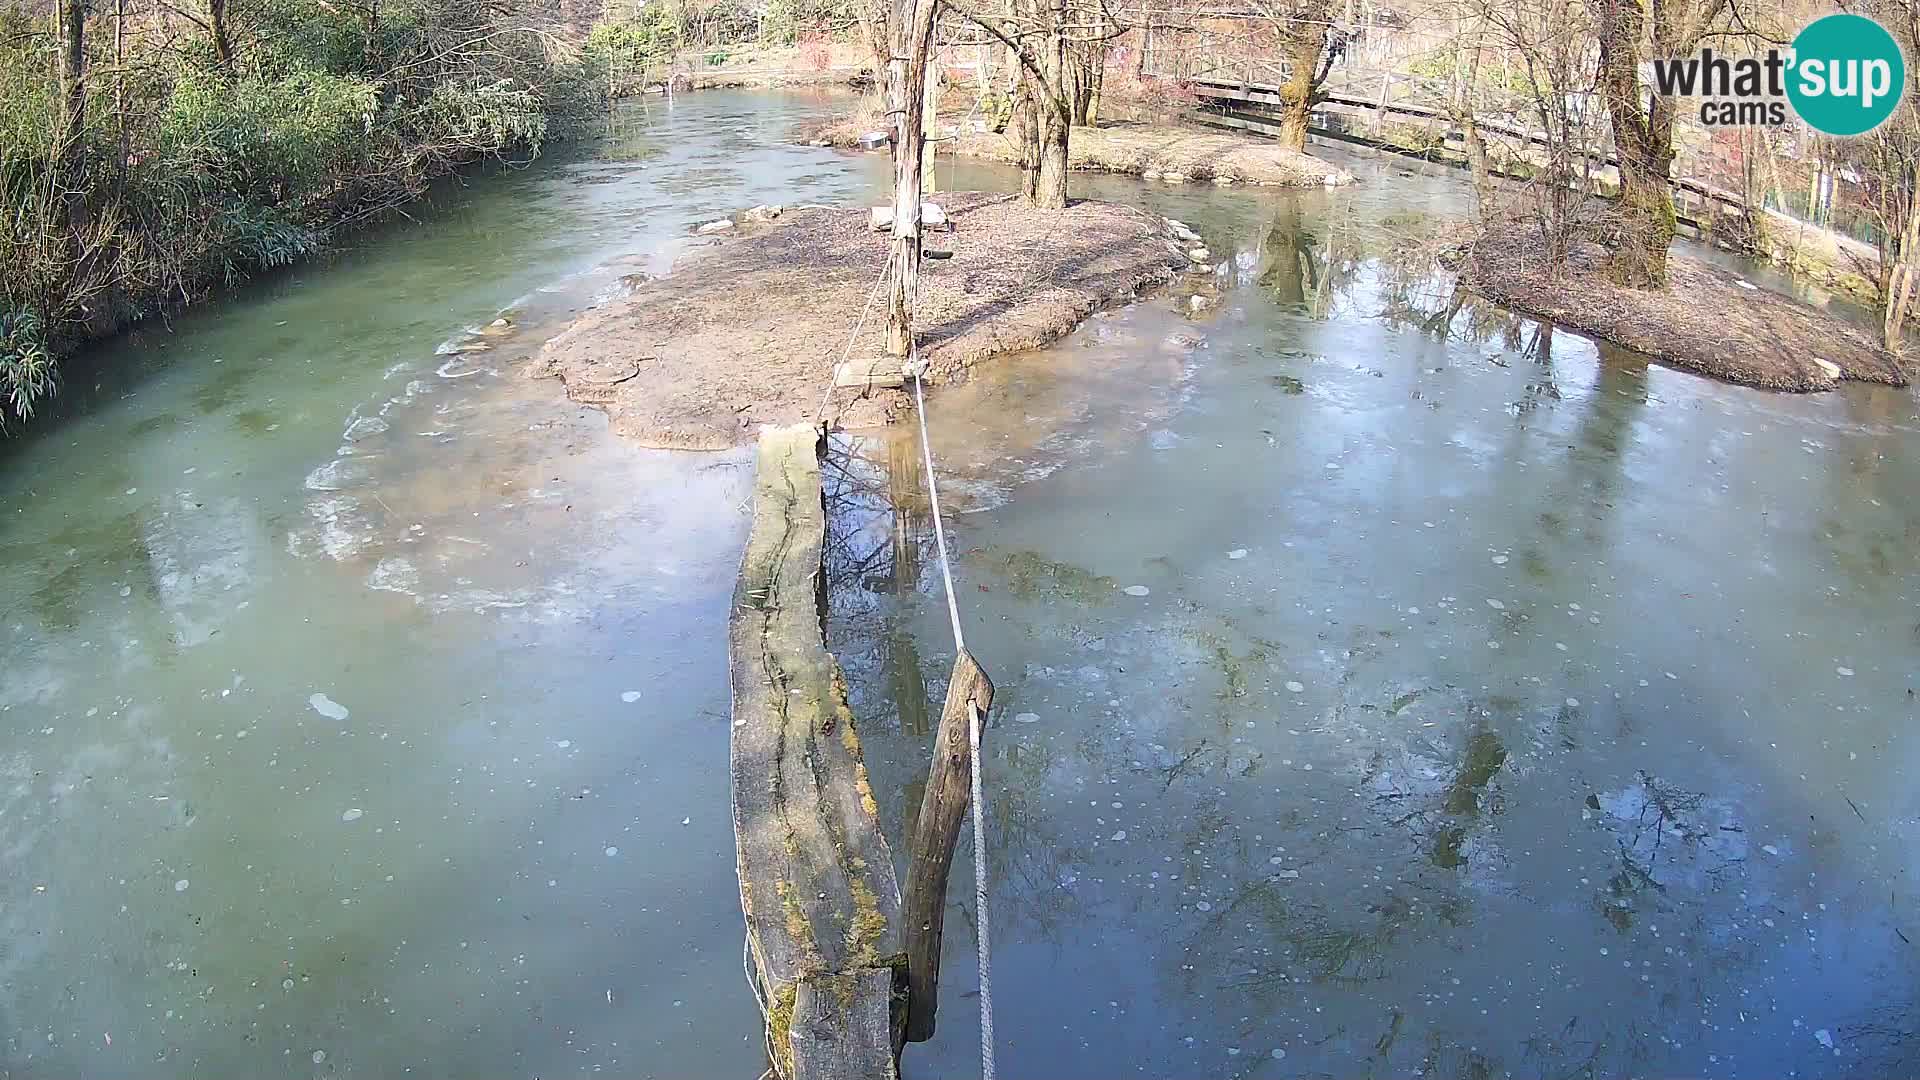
pixel 1847 75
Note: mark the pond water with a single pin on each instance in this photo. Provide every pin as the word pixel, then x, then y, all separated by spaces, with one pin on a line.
pixel 1494 705
pixel 1389 685
pixel 363 705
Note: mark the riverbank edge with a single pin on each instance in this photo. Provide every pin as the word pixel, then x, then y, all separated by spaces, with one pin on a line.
pixel 746 331
pixel 1706 320
pixel 74 350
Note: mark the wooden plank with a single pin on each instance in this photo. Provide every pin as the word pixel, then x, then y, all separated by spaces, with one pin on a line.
pixel 943 807
pixel 816 877
pixel 869 371
pixel 843 1026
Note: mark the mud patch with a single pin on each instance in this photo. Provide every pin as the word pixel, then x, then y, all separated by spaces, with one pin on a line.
pixel 746 330
pixel 1703 321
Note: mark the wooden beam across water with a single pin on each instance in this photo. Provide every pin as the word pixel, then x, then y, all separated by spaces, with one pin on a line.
pixel 816 878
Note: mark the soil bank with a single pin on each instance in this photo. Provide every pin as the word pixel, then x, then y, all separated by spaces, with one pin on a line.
pixel 1706 320
pixel 747 328
pixel 1171 152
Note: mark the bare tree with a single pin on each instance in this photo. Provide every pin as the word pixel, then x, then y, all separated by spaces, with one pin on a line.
pixel 1303 34
pixel 1628 34
pixel 1039 33
pixel 1552 42
pixel 1888 158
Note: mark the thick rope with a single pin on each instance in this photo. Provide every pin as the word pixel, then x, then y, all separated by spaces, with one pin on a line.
pixel 981 950
pixel 939 530
pixel 983 939
pixel 833 374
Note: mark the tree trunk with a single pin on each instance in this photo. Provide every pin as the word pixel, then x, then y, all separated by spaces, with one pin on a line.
pixel 1482 171
pixel 1306 42
pixel 72 16
pixel 1055 111
pixel 222 40
pixel 120 87
pixel 1645 205
pixel 1050 180
pixel 1643 141
pixel 1899 288
pixel 1025 129
pixel 1096 81
pixel 906 97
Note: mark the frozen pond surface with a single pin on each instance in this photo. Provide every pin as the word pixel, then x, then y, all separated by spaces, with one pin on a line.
pixel 1382 692
pixel 1393 688
pixel 362 705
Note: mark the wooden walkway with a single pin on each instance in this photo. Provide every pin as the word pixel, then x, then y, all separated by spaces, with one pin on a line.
pixel 816 877
pixel 1250 106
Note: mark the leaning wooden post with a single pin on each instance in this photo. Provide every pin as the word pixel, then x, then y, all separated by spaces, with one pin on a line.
pixel 935 833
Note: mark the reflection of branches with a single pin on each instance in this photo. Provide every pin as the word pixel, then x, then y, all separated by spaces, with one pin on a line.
pixel 1181 767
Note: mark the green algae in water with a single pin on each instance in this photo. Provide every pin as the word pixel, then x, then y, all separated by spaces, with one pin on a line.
pixel 1447 844
pixel 1031 575
pixel 1485 755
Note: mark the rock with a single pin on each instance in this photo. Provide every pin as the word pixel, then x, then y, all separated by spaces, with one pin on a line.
pixel 1198 303
pixel 1828 368
pixel 764 213
pixel 880 218
pixel 1174 177
pixel 712 227
pixel 1182 230
pixel 1224 181
pixel 1199 254
pixel 1150 174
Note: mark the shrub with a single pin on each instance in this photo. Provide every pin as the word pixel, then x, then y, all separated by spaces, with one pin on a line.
pixel 26 365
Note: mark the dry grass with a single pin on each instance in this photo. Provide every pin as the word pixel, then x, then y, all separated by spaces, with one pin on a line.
pixel 747 330
pixel 1167 151
pixel 1703 321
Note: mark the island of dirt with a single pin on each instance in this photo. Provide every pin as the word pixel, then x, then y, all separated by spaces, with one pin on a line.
pixel 1706 320
pixel 748 328
pixel 1173 152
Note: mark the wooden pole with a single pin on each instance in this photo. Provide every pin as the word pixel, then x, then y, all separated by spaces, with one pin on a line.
pixel 935 833
pixel 930 182
pixel 906 93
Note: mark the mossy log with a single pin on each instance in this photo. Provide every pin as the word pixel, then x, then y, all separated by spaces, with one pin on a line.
pixel 816 879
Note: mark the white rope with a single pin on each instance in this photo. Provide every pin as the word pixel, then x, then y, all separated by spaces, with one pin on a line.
pixel 980 898
pixel 939 531
pixel 760 999
pixel 833 376
pixel 983 938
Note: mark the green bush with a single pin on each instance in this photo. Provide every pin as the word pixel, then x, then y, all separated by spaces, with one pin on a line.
pixel 190 174
pixel 637 50
pixel 26 366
